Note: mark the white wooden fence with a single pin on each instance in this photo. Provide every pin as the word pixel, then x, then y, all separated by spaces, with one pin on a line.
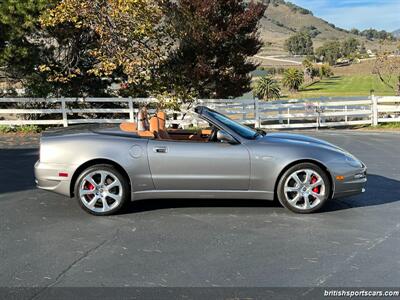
pixel 312 113
pixel 330 112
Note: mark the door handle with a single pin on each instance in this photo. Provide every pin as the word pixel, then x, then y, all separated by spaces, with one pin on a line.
pixel 160 149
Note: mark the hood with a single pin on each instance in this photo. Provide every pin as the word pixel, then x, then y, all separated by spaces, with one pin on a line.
pixel 298 138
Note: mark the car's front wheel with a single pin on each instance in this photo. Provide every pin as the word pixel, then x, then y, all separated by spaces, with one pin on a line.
pixel 304 188
pixel 102 190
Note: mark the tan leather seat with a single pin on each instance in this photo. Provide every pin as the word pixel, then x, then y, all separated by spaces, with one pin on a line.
pixel 128 126
pixel 157 125
pixel 132 127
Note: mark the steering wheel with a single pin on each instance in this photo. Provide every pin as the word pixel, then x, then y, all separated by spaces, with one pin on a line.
pixel 213 135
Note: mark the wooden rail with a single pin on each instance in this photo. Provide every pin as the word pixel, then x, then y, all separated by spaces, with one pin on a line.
pixel 330 112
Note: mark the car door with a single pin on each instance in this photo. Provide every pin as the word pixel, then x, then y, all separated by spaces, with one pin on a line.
pixel 187 165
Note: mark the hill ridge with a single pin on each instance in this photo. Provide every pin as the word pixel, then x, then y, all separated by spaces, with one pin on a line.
pixel 283 19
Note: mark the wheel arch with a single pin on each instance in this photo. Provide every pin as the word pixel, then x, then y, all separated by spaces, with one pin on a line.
pixel 93 162
pixel 300 161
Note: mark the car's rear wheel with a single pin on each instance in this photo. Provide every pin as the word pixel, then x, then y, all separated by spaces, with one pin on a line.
pixel 304 188
pixel 102 190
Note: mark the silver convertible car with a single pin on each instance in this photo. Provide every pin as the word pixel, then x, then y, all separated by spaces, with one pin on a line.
pixel 105 167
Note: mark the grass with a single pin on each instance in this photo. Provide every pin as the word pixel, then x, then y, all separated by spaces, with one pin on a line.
pixel 381 127
pixel 354 85
pixel 389 126
pixel 20 129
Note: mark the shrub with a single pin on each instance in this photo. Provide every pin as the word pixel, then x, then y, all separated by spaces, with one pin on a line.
pixel 326 71
pixel 293 78
pixel 6 129
pixel 267 88
pixel 22 129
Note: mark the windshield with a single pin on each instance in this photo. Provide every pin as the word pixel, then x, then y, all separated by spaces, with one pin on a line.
pixel 240 129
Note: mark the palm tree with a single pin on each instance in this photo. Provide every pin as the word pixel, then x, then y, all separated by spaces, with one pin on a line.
pixel 293 78
pixel 267 88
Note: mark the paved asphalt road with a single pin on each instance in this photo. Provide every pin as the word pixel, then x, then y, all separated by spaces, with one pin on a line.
pixel 47 240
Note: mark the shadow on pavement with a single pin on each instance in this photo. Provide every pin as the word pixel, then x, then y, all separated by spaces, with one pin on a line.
pixel 16 169
pixel 16 174
pixel 380 190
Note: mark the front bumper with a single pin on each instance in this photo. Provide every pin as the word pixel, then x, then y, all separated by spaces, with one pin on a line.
pixel 47 177
pixel 354 183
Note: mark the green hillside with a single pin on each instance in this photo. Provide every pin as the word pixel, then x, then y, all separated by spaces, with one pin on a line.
pixel 283 19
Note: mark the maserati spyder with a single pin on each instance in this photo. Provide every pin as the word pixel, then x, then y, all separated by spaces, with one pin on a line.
pixel 105 167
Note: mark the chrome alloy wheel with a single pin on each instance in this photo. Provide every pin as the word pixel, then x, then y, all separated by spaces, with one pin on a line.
pixel 100 191
pixel 304 189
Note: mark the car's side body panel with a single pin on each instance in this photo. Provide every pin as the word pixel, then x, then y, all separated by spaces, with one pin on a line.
pixel 181 165
pixel 67 153
pixel 202 194
pixel 272 155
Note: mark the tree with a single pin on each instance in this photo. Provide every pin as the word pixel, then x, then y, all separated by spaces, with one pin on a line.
pixel 388 70
pixel 308 65
pixel 19 35
pixel 216 38
pixel 350 46
pixel 28 49
pixel 325 71
pixel 372 34
pixel 300 44
pixel 293 78
pixel 126 38
pixel 315 72
pixel 267 88
pixel 329 52
pixel 310 69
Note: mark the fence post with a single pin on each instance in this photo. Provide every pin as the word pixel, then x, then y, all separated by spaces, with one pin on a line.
pixel 64 112
pixel 131 114
pixel 374 110
pixel 321 111
pixel 244 114
pixel 318 111
pixel 257 122
pixel 346 119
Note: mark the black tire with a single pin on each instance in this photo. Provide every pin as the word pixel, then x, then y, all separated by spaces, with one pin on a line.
pixel 303 166
pixel 124 193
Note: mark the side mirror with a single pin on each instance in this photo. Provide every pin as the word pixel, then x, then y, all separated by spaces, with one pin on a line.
pixel 223 136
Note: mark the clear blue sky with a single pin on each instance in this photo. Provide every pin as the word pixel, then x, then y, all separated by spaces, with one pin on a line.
pixel 361 14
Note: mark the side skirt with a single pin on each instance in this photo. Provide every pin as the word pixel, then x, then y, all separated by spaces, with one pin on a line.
pixel 202 194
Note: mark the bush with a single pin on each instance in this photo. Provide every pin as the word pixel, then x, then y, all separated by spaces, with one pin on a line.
pixel 6 129
pixel 22 129
pixel 267 88
pixel 326 71
pixel 293 78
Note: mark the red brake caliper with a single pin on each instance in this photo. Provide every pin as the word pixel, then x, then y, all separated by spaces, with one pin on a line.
pixel 314 180
pixel 90 187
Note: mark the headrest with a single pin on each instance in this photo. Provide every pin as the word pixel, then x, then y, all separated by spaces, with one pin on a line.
pixel 162 116
pixel 154 124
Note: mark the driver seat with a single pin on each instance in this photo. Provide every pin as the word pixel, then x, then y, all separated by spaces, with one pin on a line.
pixel 158 127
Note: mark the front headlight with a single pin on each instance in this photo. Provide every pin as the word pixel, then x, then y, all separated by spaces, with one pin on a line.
pixel 352 161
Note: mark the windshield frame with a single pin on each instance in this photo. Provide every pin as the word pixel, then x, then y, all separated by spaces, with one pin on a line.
pixel 241 130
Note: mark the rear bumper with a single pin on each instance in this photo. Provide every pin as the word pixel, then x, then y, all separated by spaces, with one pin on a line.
pixel 353 184
pixel 47 177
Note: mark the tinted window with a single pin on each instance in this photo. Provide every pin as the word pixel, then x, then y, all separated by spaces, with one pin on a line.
pixel 240 129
